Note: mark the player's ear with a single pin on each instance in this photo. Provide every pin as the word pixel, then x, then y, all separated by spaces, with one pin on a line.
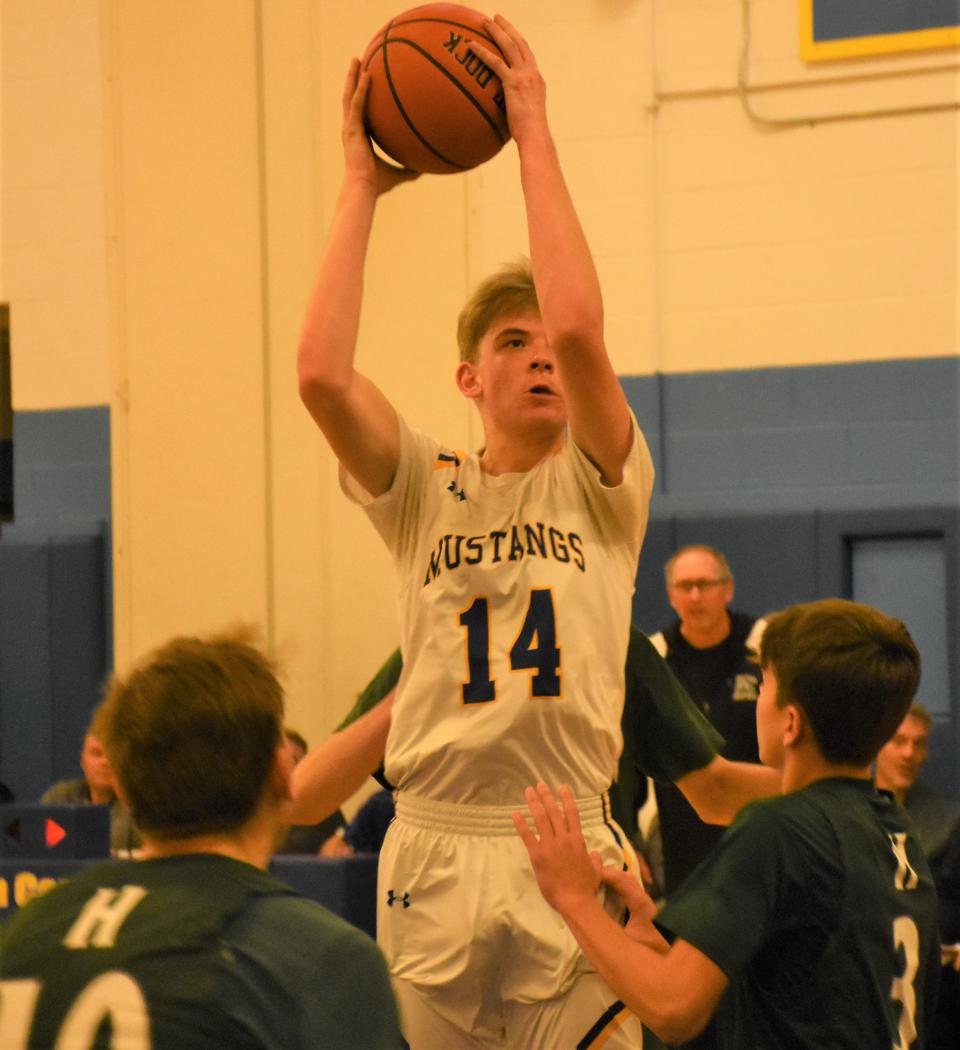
pixel 468 379
pixel 794 725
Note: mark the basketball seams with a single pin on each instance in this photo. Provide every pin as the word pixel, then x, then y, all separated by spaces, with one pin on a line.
pixel 431 121
pixel 453 80
pixel 443 22
pixel 403 113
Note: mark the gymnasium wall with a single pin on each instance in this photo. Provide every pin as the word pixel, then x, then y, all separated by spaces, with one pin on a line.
pixel 169 172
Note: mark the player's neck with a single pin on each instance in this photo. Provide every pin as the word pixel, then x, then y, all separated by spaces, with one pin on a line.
pixel 802 768
pixel 253 843
pixel 508 454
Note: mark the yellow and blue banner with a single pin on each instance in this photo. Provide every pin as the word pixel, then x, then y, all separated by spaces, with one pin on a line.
pixel 831 29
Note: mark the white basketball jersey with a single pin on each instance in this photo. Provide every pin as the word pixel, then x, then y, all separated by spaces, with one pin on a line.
pixel 515 607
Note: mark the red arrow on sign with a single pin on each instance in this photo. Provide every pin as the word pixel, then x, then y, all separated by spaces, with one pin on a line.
pixel 55 834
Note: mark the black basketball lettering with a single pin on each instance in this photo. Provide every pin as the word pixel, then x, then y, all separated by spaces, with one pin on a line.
pixel 484 75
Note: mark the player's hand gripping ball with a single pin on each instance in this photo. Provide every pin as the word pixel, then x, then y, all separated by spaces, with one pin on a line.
pixel 433 105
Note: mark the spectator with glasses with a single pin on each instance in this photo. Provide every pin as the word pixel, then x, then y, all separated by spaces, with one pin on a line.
pixel 711 649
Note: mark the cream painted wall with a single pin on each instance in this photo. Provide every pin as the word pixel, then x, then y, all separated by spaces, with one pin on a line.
pixel 827 242
pixel 185 222
pixel 721 242
pixel 53 249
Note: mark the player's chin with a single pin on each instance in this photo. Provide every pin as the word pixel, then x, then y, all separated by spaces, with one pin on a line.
pixel 546 406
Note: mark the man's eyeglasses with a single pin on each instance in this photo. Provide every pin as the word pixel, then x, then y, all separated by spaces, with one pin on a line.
pixel 688 586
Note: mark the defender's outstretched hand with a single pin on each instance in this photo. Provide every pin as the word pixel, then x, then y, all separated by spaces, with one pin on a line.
pixel 359 156
pixel 566 873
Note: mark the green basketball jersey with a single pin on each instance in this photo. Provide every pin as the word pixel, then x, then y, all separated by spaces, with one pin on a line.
pixel 820 909
pixel 196 951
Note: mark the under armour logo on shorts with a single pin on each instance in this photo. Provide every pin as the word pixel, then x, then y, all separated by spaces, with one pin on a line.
pixel 395 898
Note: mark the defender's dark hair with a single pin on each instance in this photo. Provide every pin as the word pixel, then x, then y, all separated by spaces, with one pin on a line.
pixel 192 732
pixel 851 668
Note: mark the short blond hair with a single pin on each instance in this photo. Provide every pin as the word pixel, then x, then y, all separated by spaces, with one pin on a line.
pixel 509 290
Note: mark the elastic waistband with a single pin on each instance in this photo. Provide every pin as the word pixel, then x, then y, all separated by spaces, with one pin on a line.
pixel 485 820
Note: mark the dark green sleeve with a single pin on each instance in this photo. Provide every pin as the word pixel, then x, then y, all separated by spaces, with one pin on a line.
pixel 732 904
pixel 296 977
pixel 665 734
pixel 377 688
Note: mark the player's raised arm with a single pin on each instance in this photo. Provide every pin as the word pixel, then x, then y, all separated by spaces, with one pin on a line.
pixel 568 291
pixel 356 418
pixel 331 772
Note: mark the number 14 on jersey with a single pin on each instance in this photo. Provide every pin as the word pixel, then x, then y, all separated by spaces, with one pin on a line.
pixel 534 649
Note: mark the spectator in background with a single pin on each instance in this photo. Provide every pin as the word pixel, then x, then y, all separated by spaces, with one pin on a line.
pixel 936 821
pixel 196 945
pixel 308 838
pixel 96 787
pixel 6 795
pixel 712 651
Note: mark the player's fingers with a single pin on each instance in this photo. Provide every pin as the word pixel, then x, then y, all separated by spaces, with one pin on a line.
pixel 539 812
pixel 359 99
pixel 504 39
pixel 552 807
pixel 549 807
pixel 570 811
pixel 628 886
pixel 350 85
pixel 488 56
pixel 510 30
pixel 523 830
pixel 643 870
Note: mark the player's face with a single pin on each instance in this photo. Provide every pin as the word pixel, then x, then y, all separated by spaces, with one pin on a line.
pixel 770 721
pixel 902 757
pixel 699 594
pixel 517 373
pixel 96 767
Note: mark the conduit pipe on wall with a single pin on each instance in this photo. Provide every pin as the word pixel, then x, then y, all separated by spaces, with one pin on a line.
pixel 744 90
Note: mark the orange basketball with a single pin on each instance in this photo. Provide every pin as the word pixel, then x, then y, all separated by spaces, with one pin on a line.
pixel 433 105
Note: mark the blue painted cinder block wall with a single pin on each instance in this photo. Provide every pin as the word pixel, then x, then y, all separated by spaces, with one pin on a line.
pixel 881 434
pixel 56 633
pixel 61 471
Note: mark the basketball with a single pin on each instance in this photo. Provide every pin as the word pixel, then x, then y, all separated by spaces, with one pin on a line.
pixel 433 105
